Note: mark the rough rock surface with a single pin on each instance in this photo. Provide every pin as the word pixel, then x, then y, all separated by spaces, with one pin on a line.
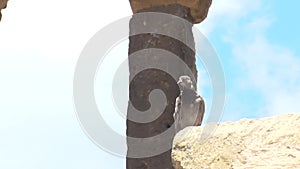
pixel 143 82
pixel 3 4
pixel 198 8
pixel 272 142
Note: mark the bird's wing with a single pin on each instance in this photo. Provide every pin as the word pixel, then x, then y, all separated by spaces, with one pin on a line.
pixel 177 114
pixel 201 109
pixel 177 107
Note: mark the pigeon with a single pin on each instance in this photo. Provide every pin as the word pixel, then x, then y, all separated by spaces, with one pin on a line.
pixel 189 106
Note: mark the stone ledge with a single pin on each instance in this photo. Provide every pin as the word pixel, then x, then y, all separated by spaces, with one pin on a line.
pixel 265 143
pixel 199 8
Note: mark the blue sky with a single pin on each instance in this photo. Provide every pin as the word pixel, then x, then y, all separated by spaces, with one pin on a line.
pixel 257 42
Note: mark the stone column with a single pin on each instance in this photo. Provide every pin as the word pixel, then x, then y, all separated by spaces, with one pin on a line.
pixel 142 83
pixel 3 4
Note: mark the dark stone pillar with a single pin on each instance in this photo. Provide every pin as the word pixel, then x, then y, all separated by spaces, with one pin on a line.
pixel 146 81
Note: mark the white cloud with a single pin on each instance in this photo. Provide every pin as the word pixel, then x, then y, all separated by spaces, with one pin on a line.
pixel 274 71
pixel 227 13
pixel 40 42
pixel 57 28
pixel 267 68
pixel 271 69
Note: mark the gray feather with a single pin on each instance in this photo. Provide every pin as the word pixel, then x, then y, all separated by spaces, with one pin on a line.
pixel 189 106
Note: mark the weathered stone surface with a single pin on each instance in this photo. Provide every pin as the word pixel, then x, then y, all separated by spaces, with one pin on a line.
pixel 3 4
pixel 272 142
pixel 198 8
pixel 146 81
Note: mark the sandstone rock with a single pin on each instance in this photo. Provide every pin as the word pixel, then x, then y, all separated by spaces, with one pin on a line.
pixel 198 8
pixel 3 4
pixel 272 142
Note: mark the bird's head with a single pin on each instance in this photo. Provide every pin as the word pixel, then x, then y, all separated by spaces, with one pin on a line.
pixel 185 82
